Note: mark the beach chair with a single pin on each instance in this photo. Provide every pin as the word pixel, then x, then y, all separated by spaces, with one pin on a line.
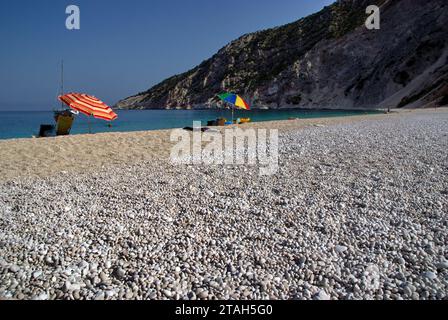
pixel 64 124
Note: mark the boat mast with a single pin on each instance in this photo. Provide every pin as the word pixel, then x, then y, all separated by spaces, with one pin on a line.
pixel 62 82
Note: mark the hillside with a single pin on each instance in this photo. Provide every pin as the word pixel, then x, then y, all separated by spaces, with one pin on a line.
pixel 326 60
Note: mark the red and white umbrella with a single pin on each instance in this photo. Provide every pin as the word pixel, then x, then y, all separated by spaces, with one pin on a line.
pixel 89 105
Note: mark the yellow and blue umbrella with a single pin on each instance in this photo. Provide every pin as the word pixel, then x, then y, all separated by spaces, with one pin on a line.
pixel 234 100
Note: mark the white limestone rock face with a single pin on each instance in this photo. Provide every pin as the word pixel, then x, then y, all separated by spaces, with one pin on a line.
pixel 327 60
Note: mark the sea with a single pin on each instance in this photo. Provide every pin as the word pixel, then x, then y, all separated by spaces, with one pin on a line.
pixel 25 124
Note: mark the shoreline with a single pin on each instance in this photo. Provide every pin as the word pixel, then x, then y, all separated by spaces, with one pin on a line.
pixel 44 157
pixel 262 109
pixel 254 123
pixel 355 112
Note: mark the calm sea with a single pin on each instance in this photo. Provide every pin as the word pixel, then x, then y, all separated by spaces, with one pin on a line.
pixel 15 124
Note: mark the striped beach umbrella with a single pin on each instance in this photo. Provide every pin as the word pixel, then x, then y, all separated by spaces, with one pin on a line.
pixel 89 105
pixel 234 100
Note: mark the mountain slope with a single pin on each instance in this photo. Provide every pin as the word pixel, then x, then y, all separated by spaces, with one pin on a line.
pixel 326 60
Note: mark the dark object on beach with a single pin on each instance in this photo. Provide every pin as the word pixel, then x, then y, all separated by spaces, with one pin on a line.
pixel 220 122
pixel 46 130
pixel 196 129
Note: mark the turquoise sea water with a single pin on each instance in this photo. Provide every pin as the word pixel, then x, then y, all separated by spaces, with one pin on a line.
pixel 15 124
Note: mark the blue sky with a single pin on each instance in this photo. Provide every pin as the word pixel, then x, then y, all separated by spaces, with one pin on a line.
pixel 123 47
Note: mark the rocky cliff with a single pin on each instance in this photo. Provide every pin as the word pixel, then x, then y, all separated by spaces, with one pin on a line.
pixel 326 60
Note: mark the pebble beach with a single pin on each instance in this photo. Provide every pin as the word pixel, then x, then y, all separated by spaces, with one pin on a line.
pixel 357 210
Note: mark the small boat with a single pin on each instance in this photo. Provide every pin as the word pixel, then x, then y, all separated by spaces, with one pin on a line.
pixel 64 118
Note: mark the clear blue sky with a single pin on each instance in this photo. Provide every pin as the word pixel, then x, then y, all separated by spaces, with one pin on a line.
pixel 123 47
